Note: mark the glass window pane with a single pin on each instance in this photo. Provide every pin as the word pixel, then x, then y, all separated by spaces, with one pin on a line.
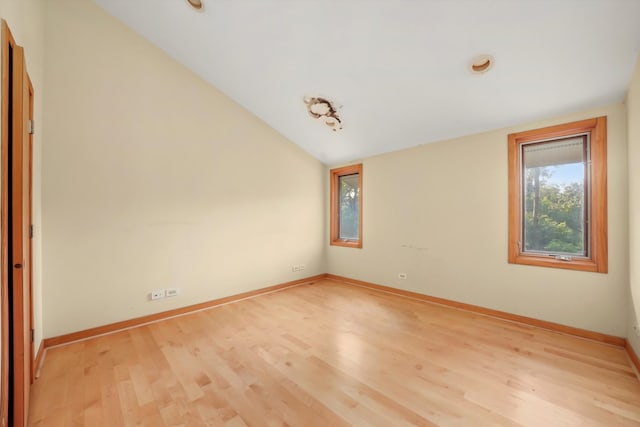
pixel 554 205
pixel 349 203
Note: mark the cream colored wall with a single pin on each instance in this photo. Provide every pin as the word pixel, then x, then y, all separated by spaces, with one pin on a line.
pixel 154 179
pixel 439 213
pixel 633 135
pixel 26 21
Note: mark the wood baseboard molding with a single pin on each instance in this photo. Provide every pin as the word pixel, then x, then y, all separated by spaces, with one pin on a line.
pixel 126 324
pixel 569 330
pixel 633 356
pixel 37 363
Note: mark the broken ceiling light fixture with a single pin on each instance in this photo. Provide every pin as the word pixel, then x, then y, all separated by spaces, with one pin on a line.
pixel 325 110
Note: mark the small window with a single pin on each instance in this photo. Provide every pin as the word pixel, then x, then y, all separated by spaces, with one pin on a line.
pixel 558 196
pixel 346 206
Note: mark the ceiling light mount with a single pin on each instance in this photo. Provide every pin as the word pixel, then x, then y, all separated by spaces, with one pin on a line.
pixel 196 4
pixel 481 64
pixel 323 109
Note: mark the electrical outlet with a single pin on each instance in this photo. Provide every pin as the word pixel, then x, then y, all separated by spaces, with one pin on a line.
pixel 295 268
pixel 636 329
pixel 402 276
pixel 172 292
pixel 302 267
pixel 157 294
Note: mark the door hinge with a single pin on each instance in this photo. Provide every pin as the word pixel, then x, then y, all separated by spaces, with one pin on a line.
pixel 30 126
pixel 31 231
pixel 33 335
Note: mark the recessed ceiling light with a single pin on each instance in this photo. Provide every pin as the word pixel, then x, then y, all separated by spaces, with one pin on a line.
pixel 481 64
pixel 196 4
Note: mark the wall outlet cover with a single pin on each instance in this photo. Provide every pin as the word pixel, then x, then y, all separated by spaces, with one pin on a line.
pixel 157 294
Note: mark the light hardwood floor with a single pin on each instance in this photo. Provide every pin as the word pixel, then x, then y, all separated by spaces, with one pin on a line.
pixel 331 354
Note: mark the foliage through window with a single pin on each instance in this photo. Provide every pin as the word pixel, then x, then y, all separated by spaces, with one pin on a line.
pixel 557 189
pixel 346 206
pixel 555 207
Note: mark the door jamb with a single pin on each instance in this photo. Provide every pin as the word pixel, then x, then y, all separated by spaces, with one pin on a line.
pixel 8 42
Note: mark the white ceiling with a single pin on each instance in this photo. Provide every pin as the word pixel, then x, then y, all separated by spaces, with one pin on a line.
pixel 399 68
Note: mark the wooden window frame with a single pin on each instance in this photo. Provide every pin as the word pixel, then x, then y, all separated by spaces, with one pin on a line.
pixel 597 261
pixel 335 175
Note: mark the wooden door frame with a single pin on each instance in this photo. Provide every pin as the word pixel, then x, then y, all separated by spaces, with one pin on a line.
pixel 19 243
pixel 21 335
pixel 34 368
pixel 8 42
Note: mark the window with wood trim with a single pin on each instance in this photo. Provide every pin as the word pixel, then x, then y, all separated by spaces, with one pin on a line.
pixel 558 196
pixel 346 206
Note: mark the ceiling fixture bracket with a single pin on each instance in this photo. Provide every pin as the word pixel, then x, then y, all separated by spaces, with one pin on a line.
pixel 322 109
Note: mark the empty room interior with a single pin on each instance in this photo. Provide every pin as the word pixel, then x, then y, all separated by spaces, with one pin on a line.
pixel 305 213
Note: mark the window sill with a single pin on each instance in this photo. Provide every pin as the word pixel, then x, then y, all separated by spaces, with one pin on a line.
pixel 547 261
pixel 347 243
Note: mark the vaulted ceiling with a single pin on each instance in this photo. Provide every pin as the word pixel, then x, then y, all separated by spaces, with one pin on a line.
pixel 398 71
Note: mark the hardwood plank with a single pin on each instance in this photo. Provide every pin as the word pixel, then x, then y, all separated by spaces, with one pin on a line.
pixel 331 354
